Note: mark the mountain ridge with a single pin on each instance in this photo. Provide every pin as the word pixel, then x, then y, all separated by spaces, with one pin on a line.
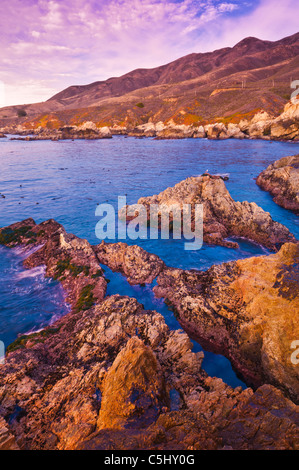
pixel 263 68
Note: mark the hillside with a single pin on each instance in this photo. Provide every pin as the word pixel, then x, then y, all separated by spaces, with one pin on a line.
pixel 228 84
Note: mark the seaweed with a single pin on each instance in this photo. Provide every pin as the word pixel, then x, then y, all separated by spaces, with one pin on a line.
pixel 86 299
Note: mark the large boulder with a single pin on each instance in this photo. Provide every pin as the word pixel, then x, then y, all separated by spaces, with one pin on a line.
pixel 134 390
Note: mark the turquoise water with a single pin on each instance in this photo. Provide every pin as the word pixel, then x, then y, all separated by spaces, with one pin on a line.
pixel 66 180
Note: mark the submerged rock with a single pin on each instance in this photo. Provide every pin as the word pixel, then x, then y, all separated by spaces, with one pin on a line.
pixel 222 216
pixel 281 179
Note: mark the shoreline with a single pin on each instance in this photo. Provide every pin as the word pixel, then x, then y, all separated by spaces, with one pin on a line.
pixel 284 127
pixel 74 384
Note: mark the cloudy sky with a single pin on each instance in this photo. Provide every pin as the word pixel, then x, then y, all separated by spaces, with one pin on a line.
pixel 46 46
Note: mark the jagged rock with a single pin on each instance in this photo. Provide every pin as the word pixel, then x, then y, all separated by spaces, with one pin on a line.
pixel 260 129
pixel 134 390
pixel 233 130
pixel 200 132
pixel 7 439
pixel 57 381
pixel 286 125
pixel 222 216
pixel 244 126
pixel 216 131
pixel 68 259
pixel 291 111
pixel 281 179
pixel 222 419
pixel 284 130
pixel 245 310
pixel 139 266
pixel 261 116
pixel 116 365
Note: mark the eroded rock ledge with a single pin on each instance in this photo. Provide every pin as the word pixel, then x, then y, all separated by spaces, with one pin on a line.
pixel 281 179
pixel 245 310
pixel 67 258
pixel 222 216
pixel 139 266
pixel 104 375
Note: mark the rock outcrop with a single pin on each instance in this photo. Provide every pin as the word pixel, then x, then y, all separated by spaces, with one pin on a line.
pixel 281 179
pixel 111 375
pixel 134 391
pixel 244 309
pixel 286 125
pixel 87 130
pixel 92 383
pixel 67 258
pixel 7 439
pixel 139 266
pixel 222 216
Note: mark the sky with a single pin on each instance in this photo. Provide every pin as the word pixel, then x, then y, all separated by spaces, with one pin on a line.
pixel 48 45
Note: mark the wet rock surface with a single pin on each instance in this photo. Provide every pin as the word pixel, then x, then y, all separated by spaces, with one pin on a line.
pixel 104 375
pixel 281 179
pixel 222 216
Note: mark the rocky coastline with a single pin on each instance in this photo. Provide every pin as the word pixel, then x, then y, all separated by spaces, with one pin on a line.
pixel 59 388
pixel 242 309
pixel 283 127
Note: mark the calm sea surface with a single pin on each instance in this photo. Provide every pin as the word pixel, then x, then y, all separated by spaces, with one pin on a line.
pixel 66 181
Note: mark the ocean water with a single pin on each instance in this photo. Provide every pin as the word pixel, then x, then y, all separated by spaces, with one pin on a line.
pixel 28 300
pixel 67 180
